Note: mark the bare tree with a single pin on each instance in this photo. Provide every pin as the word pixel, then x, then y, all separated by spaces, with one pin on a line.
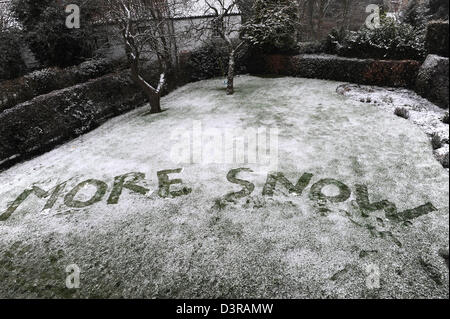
pixel 148 33
pixel 227 28
pixel 313 13
pixel 310 12
pixel 322 9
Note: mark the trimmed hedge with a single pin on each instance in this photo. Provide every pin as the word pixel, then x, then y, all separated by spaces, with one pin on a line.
pixel 40 82
pixel 38 125
pixel 392 73
pixel 432 80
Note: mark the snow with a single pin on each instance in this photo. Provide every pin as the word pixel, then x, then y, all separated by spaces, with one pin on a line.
pixel 201 246
pixel 423 113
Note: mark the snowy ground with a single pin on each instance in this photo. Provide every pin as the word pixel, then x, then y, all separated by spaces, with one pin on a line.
pixel 421 112
pixel 198 244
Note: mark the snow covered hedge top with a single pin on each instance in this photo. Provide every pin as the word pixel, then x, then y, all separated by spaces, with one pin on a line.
pixel 46 80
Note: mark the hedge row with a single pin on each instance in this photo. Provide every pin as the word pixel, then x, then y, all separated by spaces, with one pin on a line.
pixel 433 80
pixel 40 82
pixel 38 125
pixel 436 39
pixel 394 73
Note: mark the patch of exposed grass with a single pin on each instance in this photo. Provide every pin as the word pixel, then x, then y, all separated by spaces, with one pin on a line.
pixel 446 119
pixel 436 142
pixel 402 112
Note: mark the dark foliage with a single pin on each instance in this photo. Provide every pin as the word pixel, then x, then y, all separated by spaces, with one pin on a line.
pixel 439 9
pixel 211 60
pixel 39 125
pixel 310 47
pixel 392 40
pixel 333 42
pixel 272 27
pixel 402 112
pixel 246 8
pixel 437 38
pixel 46 34
pixel 446 119
pixel 11 62
pixel 46 80
pixel 416 14
pixel 436 142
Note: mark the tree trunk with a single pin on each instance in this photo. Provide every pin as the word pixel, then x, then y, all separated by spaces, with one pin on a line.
pixel 155 103
pixel 153 96
pixel 133 55
pixel 230 78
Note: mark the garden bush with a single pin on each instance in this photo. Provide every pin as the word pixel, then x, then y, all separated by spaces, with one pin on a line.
pixel 439 9
pixel 416 14
pixel 333 42
pixel 273 26
pixel 436 142
pixel 402 112
pixel 446 118
pixel 11 62
pixel 310 47
pixel 392 40
pixel 437 38
pixel 432 80
pixel 211 60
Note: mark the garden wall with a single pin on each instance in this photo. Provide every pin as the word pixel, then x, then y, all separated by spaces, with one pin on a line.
pixel 329 67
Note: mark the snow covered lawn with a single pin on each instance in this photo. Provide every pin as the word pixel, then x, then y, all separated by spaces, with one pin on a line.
pixel 298 244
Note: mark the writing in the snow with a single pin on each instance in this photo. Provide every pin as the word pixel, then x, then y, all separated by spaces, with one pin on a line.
pixel 171 187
